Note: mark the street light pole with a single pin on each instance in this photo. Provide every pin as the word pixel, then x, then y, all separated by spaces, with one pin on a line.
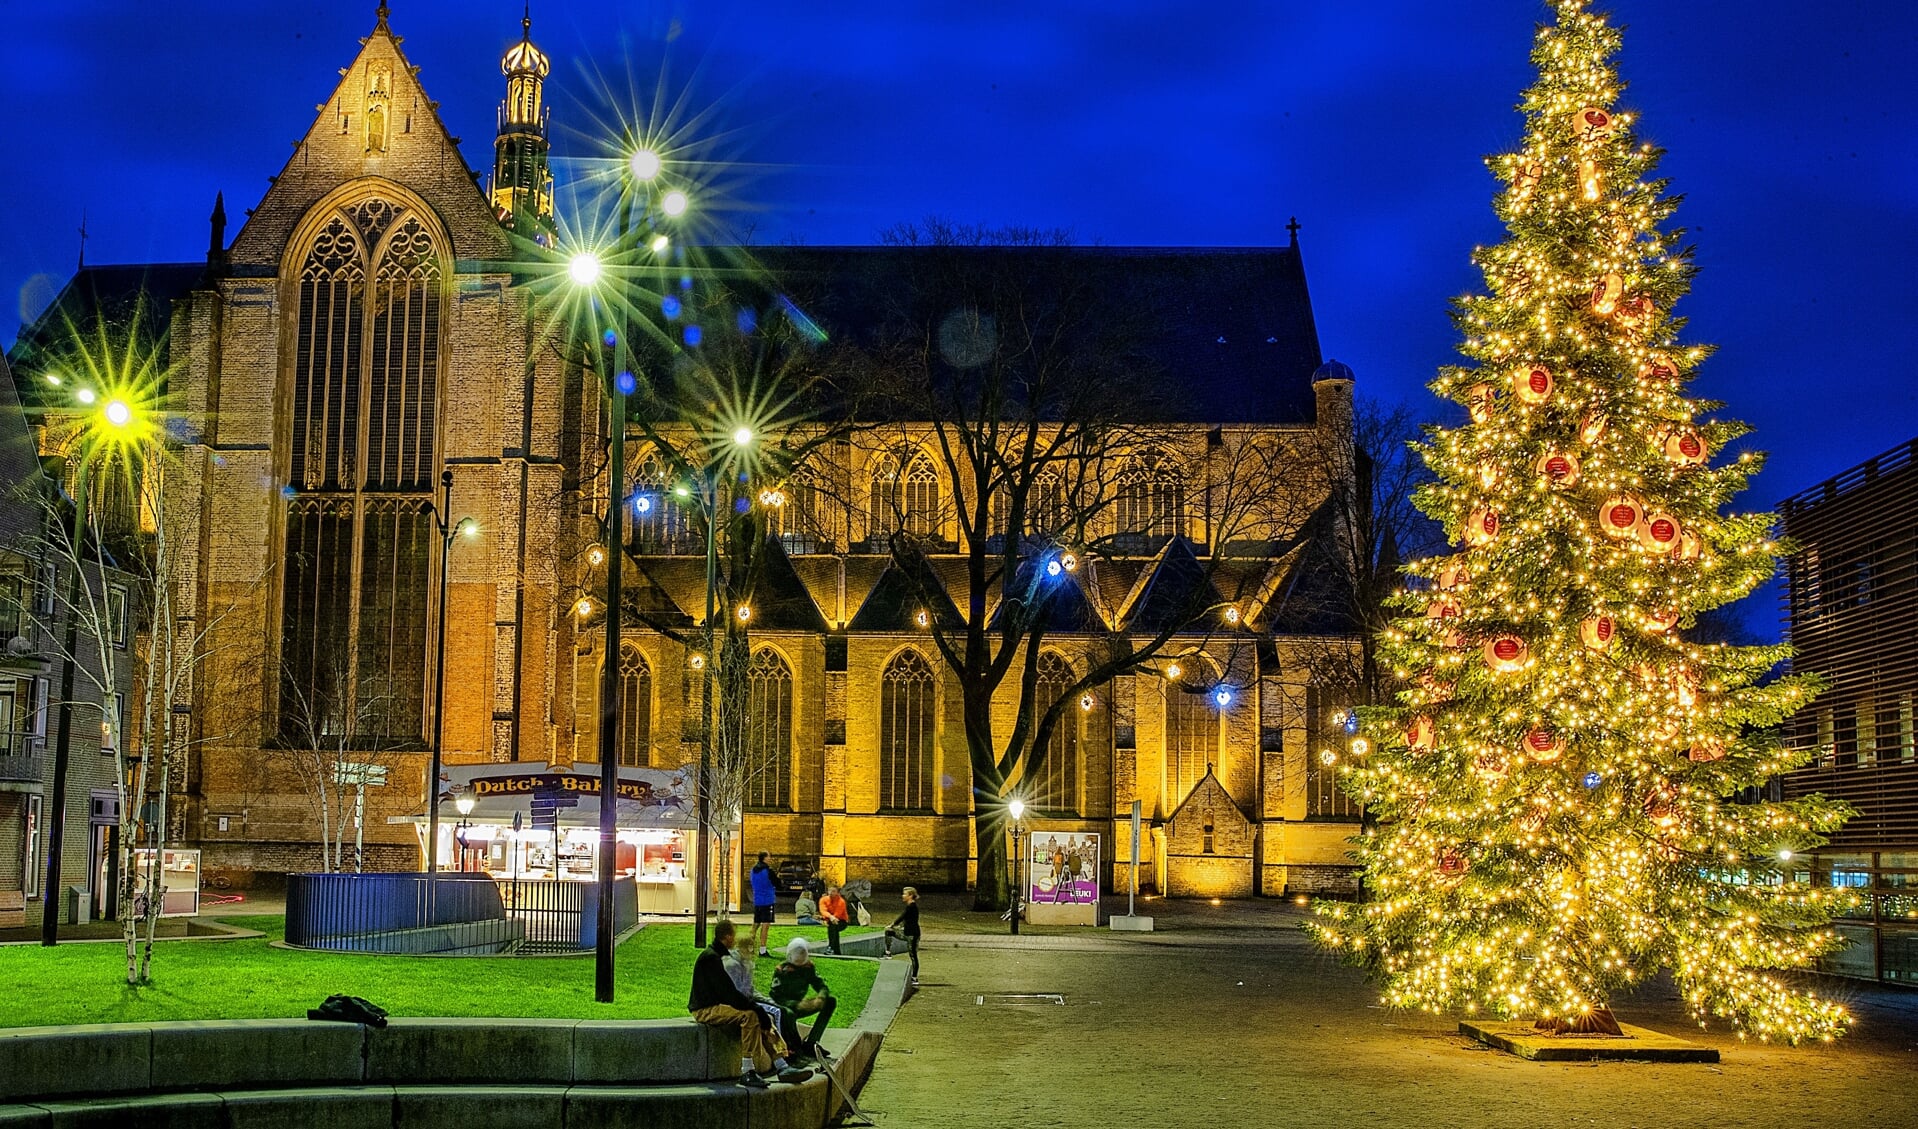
pixel 702 881
pixel 63 733
pixel 609 704
pixel 439 683
pixel 1016 809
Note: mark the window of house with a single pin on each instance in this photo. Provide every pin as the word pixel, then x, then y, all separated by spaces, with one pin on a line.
pixel 635 708
pixel 1055 770
pixel 906 733
pixel 769 691
pixel 117 615
pixel 30 871
pixel 362 472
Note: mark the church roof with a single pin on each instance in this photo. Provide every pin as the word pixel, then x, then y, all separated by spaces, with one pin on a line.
pixel 899 595
pixel 1229 330
pixel 131 300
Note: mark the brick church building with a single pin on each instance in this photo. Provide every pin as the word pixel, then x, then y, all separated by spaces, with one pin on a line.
pixel 366 331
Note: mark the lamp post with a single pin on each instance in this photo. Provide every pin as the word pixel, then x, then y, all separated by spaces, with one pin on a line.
pixel 465 804
pixel 585 271
pixel 448 530
pixel 743 437
pixel 1016 809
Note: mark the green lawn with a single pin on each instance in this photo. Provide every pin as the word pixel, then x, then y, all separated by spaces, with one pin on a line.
pixel 249 979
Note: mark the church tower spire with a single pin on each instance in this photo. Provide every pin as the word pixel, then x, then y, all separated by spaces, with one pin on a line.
pixel 522 181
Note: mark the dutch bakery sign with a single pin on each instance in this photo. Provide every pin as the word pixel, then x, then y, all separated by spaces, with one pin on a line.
pixel 636 791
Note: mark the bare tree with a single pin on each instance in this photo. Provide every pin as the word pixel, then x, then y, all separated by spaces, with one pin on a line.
pixel 335 748
pixel 1032 395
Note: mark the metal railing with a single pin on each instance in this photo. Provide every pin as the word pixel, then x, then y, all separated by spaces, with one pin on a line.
pixel 563 917
pixel 20 758
pixel 396 913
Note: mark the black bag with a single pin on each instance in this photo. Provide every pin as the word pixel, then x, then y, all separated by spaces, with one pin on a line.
pixel 349 1009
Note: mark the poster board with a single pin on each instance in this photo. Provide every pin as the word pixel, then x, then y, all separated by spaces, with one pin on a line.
pixel 1062 878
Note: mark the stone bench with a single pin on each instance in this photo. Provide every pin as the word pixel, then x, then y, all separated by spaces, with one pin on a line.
pixel 272 1073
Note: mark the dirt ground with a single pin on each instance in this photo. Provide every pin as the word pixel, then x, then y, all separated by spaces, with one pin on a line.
pixel 1229 1016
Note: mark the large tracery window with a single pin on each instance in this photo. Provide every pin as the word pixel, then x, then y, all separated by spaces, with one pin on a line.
pixel 905 496
pixel 906 728
pixel 361 467
pixel 1150 506
pixel 660 523
pixel 769 691
pixel 1055 772
pixel 1191 732
pixel 635 708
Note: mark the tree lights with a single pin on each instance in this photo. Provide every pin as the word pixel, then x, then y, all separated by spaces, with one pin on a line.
pixel 1553 792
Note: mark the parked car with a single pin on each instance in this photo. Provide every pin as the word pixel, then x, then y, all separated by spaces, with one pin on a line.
pixel 792 875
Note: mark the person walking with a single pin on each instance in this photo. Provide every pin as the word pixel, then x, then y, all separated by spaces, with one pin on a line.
pixel 834 911
pixel 906 926
pixel 717 1002
pixel 794 983
pixel 765 901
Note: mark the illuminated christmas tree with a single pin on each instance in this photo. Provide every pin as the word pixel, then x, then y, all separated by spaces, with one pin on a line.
pixel 1554 796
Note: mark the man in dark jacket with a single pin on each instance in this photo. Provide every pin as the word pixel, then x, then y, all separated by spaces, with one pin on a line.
pixel 717 1002
pixel 794 981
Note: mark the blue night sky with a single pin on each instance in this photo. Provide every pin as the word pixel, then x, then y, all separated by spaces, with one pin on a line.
pixel 1789 127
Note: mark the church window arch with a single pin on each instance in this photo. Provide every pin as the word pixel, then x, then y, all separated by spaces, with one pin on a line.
pixel 635 708
pixel 769 693
pixel 1055 769
pixel 1192 724
pixel 907 730
pixel 363 400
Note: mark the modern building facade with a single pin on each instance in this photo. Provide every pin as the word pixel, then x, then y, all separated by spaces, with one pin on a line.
pixel 1852 601
pixel 367 333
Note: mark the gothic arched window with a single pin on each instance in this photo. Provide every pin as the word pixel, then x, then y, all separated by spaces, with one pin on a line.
pixel 1191 731
pixel 635 708
pixel 1150 506
pixel 364 402
pixel 659 522
pixel 906 730
pixel 905 495
pixel 769 695
pixel 1054 774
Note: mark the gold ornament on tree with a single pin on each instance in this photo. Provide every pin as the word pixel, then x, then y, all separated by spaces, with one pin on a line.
pixel 1597 632
pixel 1558 469
pixel 1618 518
pixel 1659 532
pixel 1532 384
pixel 1606 294
pixel 1591 125
pixel 1506 653
pixel 1481 527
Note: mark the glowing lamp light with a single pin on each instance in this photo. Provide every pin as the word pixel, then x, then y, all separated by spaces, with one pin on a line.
pixel 1070 562
pixel 1350 721
pixel 643 504
pixel 625 382
pixel 117 413
pixel 659 244
pixel 697 662
pixel 464 803
pixel 922 619
pixel 1232 614
pixel 53 378
pixel 1085 703
pixel 1054 568
pixel 1784 856
pixel 745 613
pixel 645 164
pixel 596 555
pixel 743 436
pixel 468 527
pixel 1173 670
pixel 1016 808
pixel 1327 756
pixel 771 498
pixel 673 203
pixel 1223 696
pixel 1593 780
pixel 84 395
pixel 1360 747
pixel 583 609
pixel 583 268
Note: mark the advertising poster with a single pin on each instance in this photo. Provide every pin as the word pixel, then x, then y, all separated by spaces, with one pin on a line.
pixel 1062 878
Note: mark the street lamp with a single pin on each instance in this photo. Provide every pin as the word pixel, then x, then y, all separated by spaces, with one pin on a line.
pixel 465 804
pixel 448 530
pixel 586 271
pixel 1017 810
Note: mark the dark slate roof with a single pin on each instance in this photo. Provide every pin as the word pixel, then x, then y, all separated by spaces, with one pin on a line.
pixel 113 294
pixel 1067 608
pixel 1178 593
pixel 898 596
pixel 1228 329
pixel 779 598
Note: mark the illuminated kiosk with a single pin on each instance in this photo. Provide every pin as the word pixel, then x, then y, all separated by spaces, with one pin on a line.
pixel 527 821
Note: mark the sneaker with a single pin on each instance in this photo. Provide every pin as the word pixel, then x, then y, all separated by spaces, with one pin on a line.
pixel 885 956
pixel 751 1078
pixel 794 1077
pixel 765 952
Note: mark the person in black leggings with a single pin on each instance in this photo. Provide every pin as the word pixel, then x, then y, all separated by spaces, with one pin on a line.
pixel 907 925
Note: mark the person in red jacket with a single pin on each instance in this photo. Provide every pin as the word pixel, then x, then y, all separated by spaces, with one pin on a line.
pixel 836 914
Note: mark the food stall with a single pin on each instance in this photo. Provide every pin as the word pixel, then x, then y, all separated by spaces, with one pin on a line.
pixel 179 879
pixel 530 821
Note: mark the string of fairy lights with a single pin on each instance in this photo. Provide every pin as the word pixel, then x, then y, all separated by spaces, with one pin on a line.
pixel 1551 795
